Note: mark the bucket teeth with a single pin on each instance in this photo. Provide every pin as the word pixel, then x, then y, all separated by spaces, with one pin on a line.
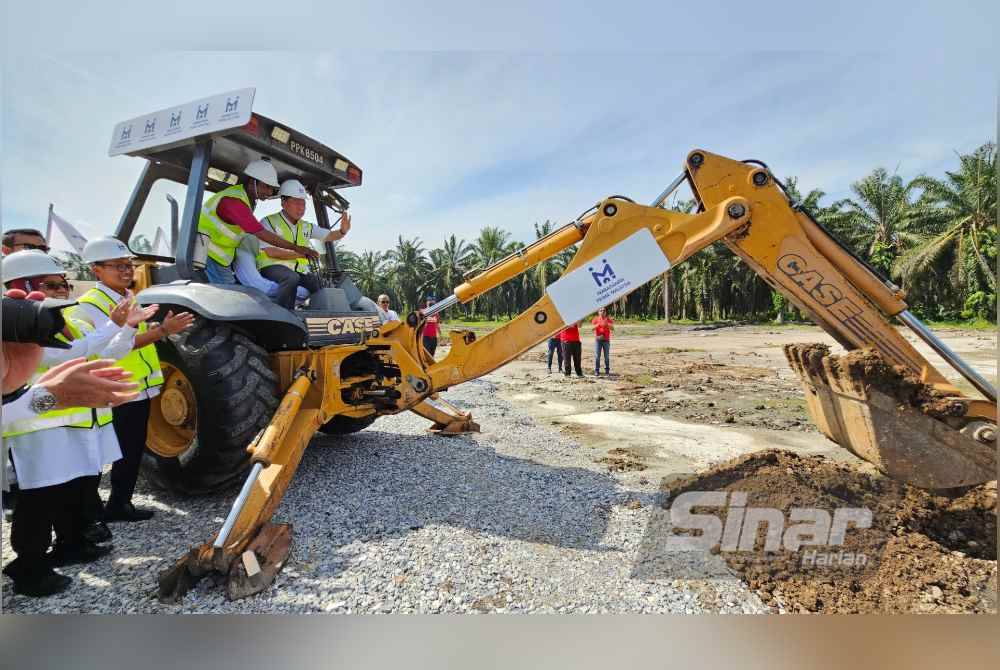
pixel 890 418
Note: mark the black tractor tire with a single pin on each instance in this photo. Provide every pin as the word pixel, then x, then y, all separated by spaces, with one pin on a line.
pixel 236 394
pixel 345 425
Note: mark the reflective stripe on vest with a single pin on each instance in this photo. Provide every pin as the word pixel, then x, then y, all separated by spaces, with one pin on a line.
pixel 143 363
pixel 282 228
pixel 223 238
pixel 71 417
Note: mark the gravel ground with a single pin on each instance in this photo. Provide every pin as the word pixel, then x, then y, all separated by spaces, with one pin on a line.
pixel 393 519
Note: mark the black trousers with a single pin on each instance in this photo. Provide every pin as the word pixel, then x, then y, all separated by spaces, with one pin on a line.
pixel 430 344
pixel 572 351
pixel 130 422
pixel 288 280
pixel 37 513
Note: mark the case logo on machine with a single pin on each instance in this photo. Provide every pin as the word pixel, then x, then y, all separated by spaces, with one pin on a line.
pixel 349 325
pixel 813 283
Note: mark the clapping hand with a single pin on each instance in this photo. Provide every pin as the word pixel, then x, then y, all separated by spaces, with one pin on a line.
pixel 176 323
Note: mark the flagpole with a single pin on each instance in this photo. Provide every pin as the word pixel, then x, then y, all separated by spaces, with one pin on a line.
pixel 48 230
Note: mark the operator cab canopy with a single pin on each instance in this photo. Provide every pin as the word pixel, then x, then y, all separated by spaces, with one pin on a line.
pixel 168 140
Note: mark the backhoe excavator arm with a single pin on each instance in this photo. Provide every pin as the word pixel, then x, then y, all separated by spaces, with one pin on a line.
pixel 623 245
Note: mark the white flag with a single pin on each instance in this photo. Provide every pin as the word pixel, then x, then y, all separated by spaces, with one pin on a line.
pixel 161 247
pixel 68 230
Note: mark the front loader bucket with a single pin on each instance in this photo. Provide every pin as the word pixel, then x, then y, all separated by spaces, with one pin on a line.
pixel 891 419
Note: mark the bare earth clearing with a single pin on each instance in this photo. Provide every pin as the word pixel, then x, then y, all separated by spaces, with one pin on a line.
pixel 685 405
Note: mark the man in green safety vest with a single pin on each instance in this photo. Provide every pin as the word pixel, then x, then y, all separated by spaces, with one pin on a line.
pixel 227 217
pixel 111 262
pixel 289 269
pixel 58 451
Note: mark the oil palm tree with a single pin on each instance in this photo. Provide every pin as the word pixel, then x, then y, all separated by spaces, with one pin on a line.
pixel 410 270
pixel 960 222
pixel 877 221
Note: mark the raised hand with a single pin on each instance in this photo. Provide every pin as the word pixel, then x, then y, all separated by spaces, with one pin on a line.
pixel 83 383
pixel 176 323
pixel 138 314
pixel 121 311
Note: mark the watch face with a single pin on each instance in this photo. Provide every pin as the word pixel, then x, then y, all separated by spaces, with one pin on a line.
pixel 42 401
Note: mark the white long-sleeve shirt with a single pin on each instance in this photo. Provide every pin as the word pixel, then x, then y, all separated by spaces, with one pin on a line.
pixel 245 267
pixel 95 316
pixel 57 455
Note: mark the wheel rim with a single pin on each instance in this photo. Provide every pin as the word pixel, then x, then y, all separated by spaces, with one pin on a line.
pixel 173 416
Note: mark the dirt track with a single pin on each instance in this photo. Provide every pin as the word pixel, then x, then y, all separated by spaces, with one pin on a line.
pixel 685 406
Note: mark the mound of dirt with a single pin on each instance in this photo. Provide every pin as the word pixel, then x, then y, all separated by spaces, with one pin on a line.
pixel 920 553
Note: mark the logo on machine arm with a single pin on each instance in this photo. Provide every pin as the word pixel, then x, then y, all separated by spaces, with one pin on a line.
pixel 605 276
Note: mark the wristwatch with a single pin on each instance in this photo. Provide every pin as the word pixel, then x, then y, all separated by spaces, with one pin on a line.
pixel 41 400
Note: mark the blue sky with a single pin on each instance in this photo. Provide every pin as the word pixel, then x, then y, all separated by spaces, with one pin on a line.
pixel 453 141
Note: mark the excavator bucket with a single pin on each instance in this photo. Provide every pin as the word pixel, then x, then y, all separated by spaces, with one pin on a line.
pixel 906 428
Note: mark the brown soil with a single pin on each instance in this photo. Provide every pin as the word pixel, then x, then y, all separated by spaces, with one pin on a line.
pixel 683 384
pixel 924 553
pixel 622 460
pixel 867 367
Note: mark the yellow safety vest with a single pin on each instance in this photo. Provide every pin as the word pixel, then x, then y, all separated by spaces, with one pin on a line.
pixel 300 235
pixel 143 363
pixel 223 238
pixel 71 417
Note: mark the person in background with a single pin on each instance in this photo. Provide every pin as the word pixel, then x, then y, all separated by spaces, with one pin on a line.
pixel 384 313
pixel 23 239
pixel 603 325
pixel 430 337
pixel 555 346
pixel 570 338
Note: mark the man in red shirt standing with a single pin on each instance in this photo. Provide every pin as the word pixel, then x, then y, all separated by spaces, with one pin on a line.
pixel 570 338
pixel 603 325
pixel 430 334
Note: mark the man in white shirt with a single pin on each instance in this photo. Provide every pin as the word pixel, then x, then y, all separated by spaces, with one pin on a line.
pixel 58 454
pixel 384 313
pixel 289 268
pixel 111 261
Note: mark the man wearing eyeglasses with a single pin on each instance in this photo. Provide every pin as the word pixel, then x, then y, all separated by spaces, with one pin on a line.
pixel 111 261
pixel 23 239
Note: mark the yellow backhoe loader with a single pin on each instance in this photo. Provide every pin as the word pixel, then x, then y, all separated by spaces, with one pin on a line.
pixel 883 400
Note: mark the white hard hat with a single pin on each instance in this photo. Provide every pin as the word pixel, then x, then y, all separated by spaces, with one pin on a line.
pixel 293 188
pixel 262 171
pixel 105 249
pixel 30 263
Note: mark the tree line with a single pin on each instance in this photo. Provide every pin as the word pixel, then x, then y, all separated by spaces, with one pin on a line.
pixel 936 237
